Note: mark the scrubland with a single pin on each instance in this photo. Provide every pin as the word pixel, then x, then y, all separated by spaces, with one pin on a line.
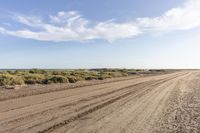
pixel 39 76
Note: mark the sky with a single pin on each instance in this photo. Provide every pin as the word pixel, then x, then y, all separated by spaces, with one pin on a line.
pixel 153 34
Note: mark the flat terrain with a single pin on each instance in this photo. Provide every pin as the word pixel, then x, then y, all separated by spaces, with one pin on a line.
pixel 159 103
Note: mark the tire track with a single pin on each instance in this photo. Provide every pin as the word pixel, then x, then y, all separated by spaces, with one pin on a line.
pixel 98 96
pixel 75 109
pixel 74 118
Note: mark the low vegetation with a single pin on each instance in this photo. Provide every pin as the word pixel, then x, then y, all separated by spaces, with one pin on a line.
pixel 39 76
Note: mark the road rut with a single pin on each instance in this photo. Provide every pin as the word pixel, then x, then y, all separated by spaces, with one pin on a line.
pixel 132 105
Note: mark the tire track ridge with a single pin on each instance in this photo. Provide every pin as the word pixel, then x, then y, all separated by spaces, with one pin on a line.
pixel 80 115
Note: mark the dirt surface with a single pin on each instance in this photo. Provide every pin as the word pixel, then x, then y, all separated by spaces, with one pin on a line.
pixel 161 103
pixel 28 90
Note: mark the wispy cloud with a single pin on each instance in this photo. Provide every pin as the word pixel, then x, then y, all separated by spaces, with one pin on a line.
pixel 181 18
pixel 71 26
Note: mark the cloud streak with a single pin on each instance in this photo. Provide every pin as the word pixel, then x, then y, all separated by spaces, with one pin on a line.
pixel 182 18
pixel 71 26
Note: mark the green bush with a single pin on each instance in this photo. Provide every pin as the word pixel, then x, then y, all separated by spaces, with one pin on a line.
pixel 34 78
pixel 39 76
pixel 63 73
pixel 101 78
pixel 72 79
pixel 90 78
pixel 37 71
pixel 104 75
pixel 7 79
pixel 114 74
pixel 57 79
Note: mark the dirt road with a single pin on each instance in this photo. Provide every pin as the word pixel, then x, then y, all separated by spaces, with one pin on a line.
pixel 161 103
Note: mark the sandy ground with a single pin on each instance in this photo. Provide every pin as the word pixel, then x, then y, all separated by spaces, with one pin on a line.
pixel 159 103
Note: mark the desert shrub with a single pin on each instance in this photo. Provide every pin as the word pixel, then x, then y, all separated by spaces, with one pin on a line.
pixel 63 73
pixel 84 75
pixel 57 79
pixel 138 70
pixel 10 72
pixel 39 76
pixel 79 75
pixel 16 72
pixel 114 74
pixel 80 78
pixel 7 79
pixel 20 73
pixel 3 72
pixel 103 76
pixel 124 71
pixel 132 73
pixel 72 79
pixel 94 74
pixel 90 77
pixel 37 71
pixel 34 78
pixel 124 74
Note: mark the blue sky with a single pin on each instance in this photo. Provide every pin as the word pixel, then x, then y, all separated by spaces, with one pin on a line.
pixel 96 34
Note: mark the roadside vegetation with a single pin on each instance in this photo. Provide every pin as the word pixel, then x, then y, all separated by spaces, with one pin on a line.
pixel 39 76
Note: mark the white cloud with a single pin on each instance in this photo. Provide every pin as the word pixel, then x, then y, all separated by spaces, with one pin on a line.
pixel 65 17
pixel 113 31
pixel 181 18
pixel 71 26
pixel 1 29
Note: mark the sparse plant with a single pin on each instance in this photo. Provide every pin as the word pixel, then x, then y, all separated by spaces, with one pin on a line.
pixel 72 79
pixel 58 79
pixel 39 76
pixel 7 79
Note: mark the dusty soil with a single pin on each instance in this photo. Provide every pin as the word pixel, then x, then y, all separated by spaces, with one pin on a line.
pixel 159 103
pixel 28 90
